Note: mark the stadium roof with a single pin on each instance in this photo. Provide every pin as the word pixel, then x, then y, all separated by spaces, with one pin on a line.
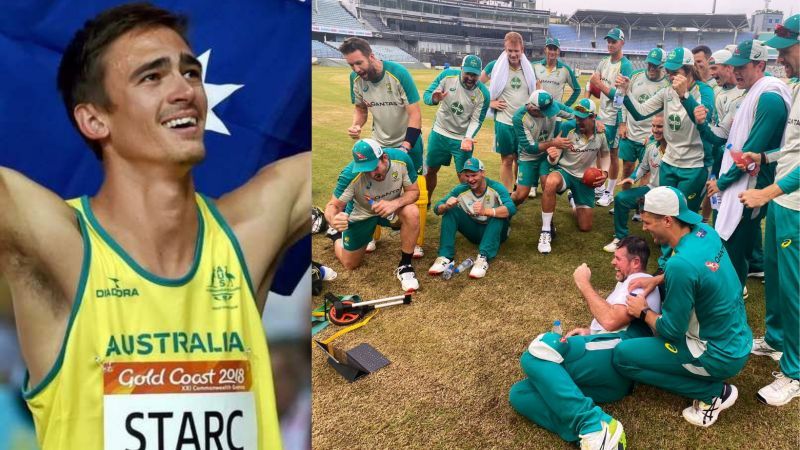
pixel 659 20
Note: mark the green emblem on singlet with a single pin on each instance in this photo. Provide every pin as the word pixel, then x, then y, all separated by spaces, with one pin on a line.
pixel 542 136
pixel 674 122
pixel 457 108
pixel 223 284
pixel 516 83
pixel 643 98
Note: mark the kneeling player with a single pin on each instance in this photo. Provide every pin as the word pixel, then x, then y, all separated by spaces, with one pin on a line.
pixel 586 144
pixel 383 190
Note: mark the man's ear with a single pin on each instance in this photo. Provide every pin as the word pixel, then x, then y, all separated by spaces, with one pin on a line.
pixel 91 121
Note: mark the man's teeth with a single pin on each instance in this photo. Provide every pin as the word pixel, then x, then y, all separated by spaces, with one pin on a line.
pixel 174 123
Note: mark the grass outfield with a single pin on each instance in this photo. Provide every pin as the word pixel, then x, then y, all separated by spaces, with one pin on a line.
pixel 455 351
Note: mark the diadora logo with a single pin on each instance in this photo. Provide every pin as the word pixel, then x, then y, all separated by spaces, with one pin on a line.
pixel 452 89
pixel 365 88
pixel 223 284
pixel 116 291
pixel 786 243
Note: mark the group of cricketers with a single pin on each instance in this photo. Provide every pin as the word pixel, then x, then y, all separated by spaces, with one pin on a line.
pixel 698 131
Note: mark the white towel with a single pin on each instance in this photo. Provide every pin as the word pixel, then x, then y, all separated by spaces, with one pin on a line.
pixel 730 212
pixel 499 77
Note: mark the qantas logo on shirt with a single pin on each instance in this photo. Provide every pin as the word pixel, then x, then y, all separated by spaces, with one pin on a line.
pixel 713 266
pixel 116 291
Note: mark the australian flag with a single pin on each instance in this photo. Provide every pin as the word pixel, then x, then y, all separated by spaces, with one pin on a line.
pixel 256 72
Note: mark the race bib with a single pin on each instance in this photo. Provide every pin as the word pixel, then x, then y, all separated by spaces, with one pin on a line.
pixel 179 405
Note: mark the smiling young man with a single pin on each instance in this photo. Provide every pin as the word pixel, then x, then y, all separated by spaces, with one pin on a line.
pixel 702 336
pixel 481 210
pixel 463 102
pixel 132 305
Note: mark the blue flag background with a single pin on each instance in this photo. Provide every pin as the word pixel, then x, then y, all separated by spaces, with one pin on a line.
pixel 262 45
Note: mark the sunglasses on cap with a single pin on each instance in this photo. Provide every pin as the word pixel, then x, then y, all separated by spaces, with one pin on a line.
pixel 582 109
pixel 782 31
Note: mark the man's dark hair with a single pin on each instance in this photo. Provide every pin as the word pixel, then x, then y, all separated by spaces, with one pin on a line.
pixel 82 69
pixel 702 48
pixel 636 247
pixel 353 44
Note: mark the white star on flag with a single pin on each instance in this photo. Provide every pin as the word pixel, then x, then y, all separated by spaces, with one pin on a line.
pixel 215 93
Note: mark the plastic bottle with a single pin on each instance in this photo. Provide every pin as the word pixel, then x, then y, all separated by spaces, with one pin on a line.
pixel 738 157
pixel 557 327
pixel 619 98
pixel 448 271
pixel 716 199
pixel 466 264
pixel 392 218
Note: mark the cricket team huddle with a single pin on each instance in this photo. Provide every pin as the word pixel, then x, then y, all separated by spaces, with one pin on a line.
pixel 705 137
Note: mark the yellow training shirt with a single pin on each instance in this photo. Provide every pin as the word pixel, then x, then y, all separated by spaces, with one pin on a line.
pixel 149 362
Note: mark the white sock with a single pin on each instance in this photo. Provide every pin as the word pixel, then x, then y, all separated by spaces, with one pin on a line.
pixel 547 218
pixel 611 185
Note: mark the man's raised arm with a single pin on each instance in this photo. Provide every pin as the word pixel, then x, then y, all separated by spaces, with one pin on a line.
pixel 268 214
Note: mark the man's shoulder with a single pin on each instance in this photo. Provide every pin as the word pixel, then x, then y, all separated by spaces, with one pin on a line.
pixel 496 186
pixel 399 156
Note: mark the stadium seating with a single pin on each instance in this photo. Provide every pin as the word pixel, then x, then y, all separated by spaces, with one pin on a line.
pixel 321 50
pixel 330 13
pixel 392 53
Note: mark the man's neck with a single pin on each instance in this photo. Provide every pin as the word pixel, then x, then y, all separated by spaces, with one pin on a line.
pixel 552 64
pixel 615 57
pixel 152 214
pixel 676 237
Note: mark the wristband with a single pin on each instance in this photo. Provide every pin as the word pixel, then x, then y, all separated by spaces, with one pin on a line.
pixel 412 134
pixel 643 314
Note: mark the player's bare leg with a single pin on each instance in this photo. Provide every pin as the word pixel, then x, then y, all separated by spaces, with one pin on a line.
pixel 507 171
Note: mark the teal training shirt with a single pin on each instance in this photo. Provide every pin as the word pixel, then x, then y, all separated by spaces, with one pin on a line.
pixel 496 195
pixel 531 131
pixel 704 304
pixel 358 188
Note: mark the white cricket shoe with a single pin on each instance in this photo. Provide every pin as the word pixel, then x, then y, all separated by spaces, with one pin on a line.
pixel 371 246
pixel 544 242
pixel 571 199
pixel 611 212
pixel 611 437
pixel 438 266
pixel 606 199
pixel 779 392
pixel 611 247
pixel 532 193
pixel 599 191
pixel 761 348
pixel 755 275
pixel 479 268
pixel 636 217
pixel 418 252
pixel 703 414
pixel 407 277
pixel 745 294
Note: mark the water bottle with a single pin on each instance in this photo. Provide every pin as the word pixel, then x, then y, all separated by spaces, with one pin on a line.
pixel 715 199
pixel 466 264
pixel 392 218
pixel 619 98
pixel 557 327
pixel 448 271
